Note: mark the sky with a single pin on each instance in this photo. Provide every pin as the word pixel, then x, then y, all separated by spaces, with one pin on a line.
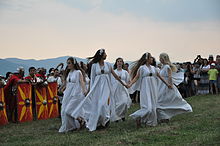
pixel 41 29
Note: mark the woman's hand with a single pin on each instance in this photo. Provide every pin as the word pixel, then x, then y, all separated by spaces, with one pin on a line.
pixel 129 85
pixel 126 86
pixel 85 92
pixel 170 86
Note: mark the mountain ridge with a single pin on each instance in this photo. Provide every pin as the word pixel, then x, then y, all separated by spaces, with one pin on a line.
pixel 11 64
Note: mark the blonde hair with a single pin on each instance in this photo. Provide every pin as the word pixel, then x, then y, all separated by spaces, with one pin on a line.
pixel 166 60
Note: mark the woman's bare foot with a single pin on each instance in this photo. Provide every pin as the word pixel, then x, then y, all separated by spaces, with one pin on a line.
pixel 138 123
pixel 164 121
pixel 81 122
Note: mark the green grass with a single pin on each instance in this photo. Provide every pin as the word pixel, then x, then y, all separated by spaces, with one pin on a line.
pixel 202 127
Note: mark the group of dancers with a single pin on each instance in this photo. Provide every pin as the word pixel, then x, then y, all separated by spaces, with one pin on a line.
pixel 101 96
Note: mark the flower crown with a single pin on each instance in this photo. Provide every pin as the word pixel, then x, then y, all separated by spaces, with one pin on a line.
pixel 147 54
pixel 101 51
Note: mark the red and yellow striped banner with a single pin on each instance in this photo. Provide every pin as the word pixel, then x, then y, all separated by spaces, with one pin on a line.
pixel 3 115
pixel 24 102
pixel 52 100
pixel 41 103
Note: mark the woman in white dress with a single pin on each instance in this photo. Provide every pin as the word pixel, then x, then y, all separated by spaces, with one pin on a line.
pixel 84 70
pixel 73 95
pixel 145 77
pixel 170 101
pixel 121 99
pixel 87 83
pixel 98 99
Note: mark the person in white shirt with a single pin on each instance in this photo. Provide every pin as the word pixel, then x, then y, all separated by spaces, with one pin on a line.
pixel 55 78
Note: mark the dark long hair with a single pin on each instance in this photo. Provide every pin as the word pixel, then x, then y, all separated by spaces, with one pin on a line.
pixel 205 59
pixel 138 63
pixel 75 65
pixel 82 67
pixel 115 65
pixel 154 63
pixel 96 58
pixel 83 70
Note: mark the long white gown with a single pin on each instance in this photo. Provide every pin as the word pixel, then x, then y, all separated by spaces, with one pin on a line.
pixel 121 99
pixel 147 84
pixel 87 108
pixel 73 95
pixel 98 98
pixel 170 101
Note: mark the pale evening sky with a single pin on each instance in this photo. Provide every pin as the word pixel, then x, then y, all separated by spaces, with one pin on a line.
pixel 39 29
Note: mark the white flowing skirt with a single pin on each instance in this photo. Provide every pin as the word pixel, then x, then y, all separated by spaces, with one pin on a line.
pixel 96 104
pixel 121 102
pixel 70 101
pixel 148 97
pixel 170 102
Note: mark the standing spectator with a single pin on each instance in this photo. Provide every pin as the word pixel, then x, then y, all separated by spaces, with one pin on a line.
pixel 204 78
pixel 188 80
pixel 51 72
pixel 55 78
pixel 8 75
pixel 41 75
pixel 213 74
pixel 61 86
pixel 10 91
pixel 126 67
pixel 182 87
pixel 196 76
pixel 211 59
pixel 217 66
pixel 33 80
pixel 32 77
pixel 2 81
pixel 197 59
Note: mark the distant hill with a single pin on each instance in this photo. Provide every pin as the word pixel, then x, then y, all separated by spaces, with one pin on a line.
pixel 11 64
pixel 7 66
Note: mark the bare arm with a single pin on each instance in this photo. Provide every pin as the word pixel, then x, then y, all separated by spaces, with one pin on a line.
pixel 162 79
pixel 205 69
pixel 61 64
pixel 62 87
pixel 170 76
pixel 117 78
pixel 82 84
pixel 134 79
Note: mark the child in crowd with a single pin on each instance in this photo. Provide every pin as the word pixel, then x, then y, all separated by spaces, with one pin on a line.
pixel 213 73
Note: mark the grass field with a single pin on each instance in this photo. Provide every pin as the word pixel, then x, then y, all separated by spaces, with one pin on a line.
pixel 202 127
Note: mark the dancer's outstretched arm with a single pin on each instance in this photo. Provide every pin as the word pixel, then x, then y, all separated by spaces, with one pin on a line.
pixel 165 82
pixel 117 78
pixel 134 79
pixel 170 77
pixel 82 84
